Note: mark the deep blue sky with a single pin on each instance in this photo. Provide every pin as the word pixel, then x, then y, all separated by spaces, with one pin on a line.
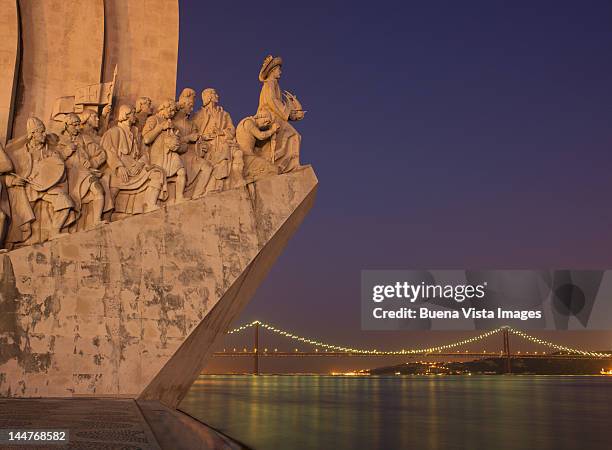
pixel 444 134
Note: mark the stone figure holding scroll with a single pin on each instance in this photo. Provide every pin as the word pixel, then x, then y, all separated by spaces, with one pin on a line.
pixel 38 189
pixel 84 161
pixel 135 183
pixel 284 149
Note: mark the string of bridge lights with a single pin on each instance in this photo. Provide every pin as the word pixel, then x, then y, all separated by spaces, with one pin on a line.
pixel 438 348
pixel 556 346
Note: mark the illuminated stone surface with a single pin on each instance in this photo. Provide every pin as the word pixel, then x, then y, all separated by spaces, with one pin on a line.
pixel 130 309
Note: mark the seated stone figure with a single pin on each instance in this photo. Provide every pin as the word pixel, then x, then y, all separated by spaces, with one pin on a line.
pixel 252 134
pixel 135 183
pixel 38 190
pixel 197 167
pixel 84 160
pixel 157 128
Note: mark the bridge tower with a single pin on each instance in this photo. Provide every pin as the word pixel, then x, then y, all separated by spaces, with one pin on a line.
pixel 507 355
pixel 256 350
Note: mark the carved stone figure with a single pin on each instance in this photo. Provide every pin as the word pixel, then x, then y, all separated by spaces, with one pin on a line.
pixel 284 149
pixel 38 189
pixel 217 132
pixel 197 167
pixel 157 128
pixel 90 124
pixel 236 176
pixel 84 160
pixel 6 166
pixel 252 134
pixel 144 110
pixel 135 183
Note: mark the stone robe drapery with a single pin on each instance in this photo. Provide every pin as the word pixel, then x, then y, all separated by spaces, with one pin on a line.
pixel 123 149
pixel 198 169
pixel 159 156
pixel 284 149
pixel 251 140
pixel 21 198
pixel 215 124
pixel 80 178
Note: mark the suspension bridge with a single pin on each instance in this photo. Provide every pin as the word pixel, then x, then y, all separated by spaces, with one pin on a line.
pixel 449 350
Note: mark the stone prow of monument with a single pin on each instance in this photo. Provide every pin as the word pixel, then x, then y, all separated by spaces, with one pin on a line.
pixel 132 308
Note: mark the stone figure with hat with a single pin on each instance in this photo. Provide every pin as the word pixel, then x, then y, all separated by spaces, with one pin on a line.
pixel 38 188
pixel 284 149
pixel 84 161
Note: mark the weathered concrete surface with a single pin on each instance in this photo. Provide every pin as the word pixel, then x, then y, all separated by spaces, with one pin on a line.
pixel 172 383
pixel 141 38
pixel 130 309
pixel 62 49
pixel 111 424
pixel 9 64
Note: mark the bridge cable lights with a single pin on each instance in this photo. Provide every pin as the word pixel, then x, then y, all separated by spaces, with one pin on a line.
pixel 428 350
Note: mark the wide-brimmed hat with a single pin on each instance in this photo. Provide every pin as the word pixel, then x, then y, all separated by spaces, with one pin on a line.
pixel 269 63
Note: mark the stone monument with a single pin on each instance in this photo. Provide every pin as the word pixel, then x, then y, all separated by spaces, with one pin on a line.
pixel 132 232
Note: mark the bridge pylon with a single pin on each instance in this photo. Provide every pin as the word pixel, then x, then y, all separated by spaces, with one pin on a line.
pixel 256 350
pixel 506 352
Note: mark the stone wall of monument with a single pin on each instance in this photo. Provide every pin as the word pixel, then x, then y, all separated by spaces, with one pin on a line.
pixel 63 46
pixel 133 307
pixel 141 40
pixel 9 64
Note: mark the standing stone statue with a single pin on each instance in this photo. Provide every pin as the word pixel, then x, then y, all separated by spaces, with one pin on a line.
pixel 84 159
pixel 39 184
pixel 252 134
pixel 284 149
pixel 217 132
pixel 157 128
pixel 197 167
pixel 135 183
pixel 144 110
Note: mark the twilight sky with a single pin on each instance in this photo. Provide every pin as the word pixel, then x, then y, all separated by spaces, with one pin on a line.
pixel 444 135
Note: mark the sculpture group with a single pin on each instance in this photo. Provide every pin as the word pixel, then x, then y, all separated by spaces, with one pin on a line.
pixel 139 158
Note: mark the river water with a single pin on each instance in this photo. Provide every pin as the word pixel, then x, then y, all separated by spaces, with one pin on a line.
pixel 405 412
